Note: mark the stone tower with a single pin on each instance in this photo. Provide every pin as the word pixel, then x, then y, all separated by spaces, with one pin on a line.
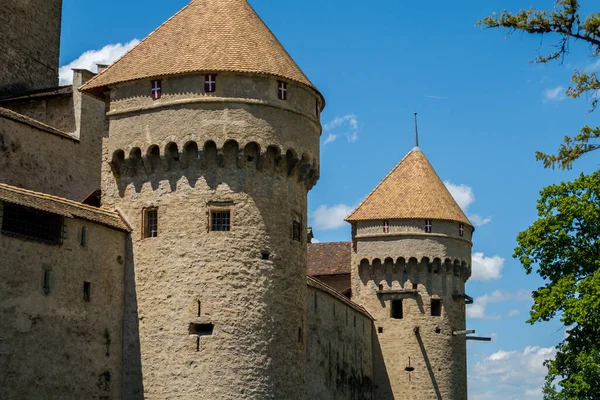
pixel 212 146
pixel 411 257
pixel 30 32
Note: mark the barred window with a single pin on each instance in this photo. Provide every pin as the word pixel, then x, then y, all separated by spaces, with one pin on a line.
pixel 28 223
pixel 220 221
pixel 150 222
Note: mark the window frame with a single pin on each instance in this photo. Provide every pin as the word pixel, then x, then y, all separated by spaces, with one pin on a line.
pixel 461 230
pixel 208 88
pixel 297 233
pixel 14 225
pixel 386 226
pixel 158 94
pixel 428 226
pixel 146 234
pixel 282 90
pixel 221 209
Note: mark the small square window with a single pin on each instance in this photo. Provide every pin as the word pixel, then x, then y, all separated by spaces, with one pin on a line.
pixel 461 229
pixel 220 220
pixel 428 226
pixel 436 307
pixel 150 223
pixel 297 230
pixel 282 90
pixel 210 83
pixel 156 89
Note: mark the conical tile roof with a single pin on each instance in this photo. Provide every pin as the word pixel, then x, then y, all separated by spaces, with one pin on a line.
pixel 206 35
pixel 412 190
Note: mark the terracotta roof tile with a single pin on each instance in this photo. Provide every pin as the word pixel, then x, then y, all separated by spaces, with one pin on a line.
pixel 310 281
pixel 206 35
pixel 412 190
pixel 60 206
pixel 329 258
pixel 9 114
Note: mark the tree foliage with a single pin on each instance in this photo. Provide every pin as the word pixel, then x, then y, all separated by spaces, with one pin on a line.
pixel 563 246
pixel 565 23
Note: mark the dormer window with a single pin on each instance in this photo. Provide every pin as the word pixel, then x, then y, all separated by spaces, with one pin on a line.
pixel 428 226
pixel 156 89
pixel 461 229
pixel 386 227
pixel 210 83
pixel 282 91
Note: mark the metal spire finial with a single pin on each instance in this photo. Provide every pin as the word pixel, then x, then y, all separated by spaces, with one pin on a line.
pixel 416 132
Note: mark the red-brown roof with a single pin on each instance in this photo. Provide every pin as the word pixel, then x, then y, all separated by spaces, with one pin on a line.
pixel 329 258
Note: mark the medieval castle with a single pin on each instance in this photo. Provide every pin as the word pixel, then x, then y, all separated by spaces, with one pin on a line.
pixel 153 230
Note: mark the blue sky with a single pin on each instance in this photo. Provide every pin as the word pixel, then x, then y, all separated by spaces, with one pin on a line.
pixel 483 112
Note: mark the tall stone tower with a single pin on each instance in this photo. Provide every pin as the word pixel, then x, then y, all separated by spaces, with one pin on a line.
pixel 212 146
pixel 30 32
pixel 411 257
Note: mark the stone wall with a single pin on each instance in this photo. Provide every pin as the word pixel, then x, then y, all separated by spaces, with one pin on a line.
pixel 57 345
pixel 187 154
pixel 340 282
pixel 339 348
pixel 29 49
pixel 66 163
pixel 416 355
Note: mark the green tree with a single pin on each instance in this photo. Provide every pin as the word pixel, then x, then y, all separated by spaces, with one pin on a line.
pixel 565 24
pixel 563 246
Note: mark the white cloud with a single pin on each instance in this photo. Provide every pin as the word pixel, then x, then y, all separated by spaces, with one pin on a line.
pixel 342 126
pixel 328 218
pixel 486 268
pixel 478 220
pixel 554 94
pixel 510 375
pixel 464 196
pixel 88 60
pixel 477 310
pixel 315 241
pixel 513 313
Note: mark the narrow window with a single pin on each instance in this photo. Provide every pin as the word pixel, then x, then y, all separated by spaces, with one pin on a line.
pixel 396 311
pixel 380 329
pixel 199 308
pixel 297 230
pixel 87 292
pixel 461 230
pixel 386 226
pixel 156 89
pixel 210 83
pixel 316 301
pixel 300 335
pixel 46 283
pixel 27 223
pixel 150 223
pixel 355 321
pixel 428 226
pixel 220 221
pixel 436 307
pixel 83 241
pixel 282 91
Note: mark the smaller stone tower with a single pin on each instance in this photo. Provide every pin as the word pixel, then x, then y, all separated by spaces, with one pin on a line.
pixel 29 49
pixel 410 260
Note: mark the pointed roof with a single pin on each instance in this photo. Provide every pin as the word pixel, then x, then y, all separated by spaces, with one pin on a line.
pixel 206 35
pixel 412 190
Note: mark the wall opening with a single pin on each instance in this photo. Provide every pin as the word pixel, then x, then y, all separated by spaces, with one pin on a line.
pixel 46 282
pixel 265 255
pixel 201 329
pixel 87 292
pixel 436 307
pixel 396 309
pixel 150 223
pixel 84 235
pixel 380 329
pixel 199 308
pixel 32 224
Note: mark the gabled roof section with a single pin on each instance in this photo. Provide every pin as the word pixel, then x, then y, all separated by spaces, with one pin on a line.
pixel 209 36
pixel 412 190
pixel 59 206
pixel 329 258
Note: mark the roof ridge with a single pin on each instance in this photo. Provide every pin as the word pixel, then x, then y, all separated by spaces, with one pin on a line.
pixel 134 47
pixel 378 185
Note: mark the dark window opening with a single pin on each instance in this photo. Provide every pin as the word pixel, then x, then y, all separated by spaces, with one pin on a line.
pixel 83 241
pixel 199 308
pixel 380 287
pixel 415 286
pixel 300 335
pixel 210 83
pixel 46 283
pixel 265 255
pixel 461 230
pixel 87 291
pixel 396 310
pixel 282 91
pixel 436 307
pixel 428 226
pixel 438 330
pixel 151 223
pixel 380 329
pixel 386 226
pixel 297 231
pixel 201 329
pixel 220 221
pixel 156 89
pixel 316 300
pixel 334 309
pixel 28 223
